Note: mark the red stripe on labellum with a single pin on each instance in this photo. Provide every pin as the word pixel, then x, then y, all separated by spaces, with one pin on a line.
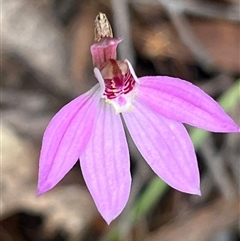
pixel 121 81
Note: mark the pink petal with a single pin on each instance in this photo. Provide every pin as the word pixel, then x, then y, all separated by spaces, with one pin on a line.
pixel 166 146
pixel 184 102
pixel 66 137
pixel 106 166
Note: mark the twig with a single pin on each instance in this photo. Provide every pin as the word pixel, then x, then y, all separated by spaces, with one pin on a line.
pixel 121 21
pixel 189 39
pixel 177 12
pixel 200 225
pixel 231 153
pixel 33 35
pixel 217 167
pixel 198 8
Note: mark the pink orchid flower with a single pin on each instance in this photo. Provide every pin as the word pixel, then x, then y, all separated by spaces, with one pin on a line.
pixel 90 128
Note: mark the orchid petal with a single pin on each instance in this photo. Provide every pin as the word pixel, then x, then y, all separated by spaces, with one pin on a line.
pixel 184 102
pixel 166 146
pixel 105 164
pixel 66 137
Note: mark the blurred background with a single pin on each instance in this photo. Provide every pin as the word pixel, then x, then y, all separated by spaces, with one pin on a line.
pixel 46 61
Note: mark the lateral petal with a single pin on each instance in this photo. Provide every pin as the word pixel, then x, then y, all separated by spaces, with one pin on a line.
pixel 106 165
pixel 184 102
pixel 166 146
pixel 65 138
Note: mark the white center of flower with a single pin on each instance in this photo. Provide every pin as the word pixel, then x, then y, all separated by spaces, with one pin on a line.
pixel 118 84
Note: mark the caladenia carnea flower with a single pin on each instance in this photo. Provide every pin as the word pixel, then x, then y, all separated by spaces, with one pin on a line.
pixel 90 129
